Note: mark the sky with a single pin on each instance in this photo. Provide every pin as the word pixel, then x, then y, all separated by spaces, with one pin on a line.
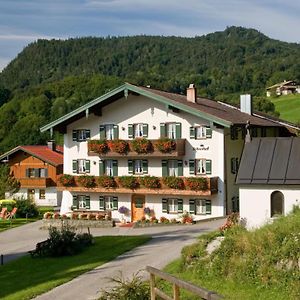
pixel 24 21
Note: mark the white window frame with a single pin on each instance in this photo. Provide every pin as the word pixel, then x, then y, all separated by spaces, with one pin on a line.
pixel 81 201
pixel 200 166
pixel 109 131
pixel 173 205
pixel 109 203
pixel 138 130
pixel 81 135
pixel 138 166
pixel 81 166
pixel 172 167
pixel 200 132
pixel 109 167
pixel 200 206
pixel 171 130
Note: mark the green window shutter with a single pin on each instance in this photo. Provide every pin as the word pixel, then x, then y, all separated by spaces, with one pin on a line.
pixel 164 168
pixel 178 130
pixel 74 135
pixel 36 172
pixel 101 167
pixel 208 166
pixel 101 203
pixel 180 167
pixel 165 205
pixel 115 203
pixel 130 131
pixel 192 206
pixel 116 131
pixel 27 172
pixel 75 202
pixel 232 162
pixel 46 173
pixel 115 168
pixel 180 205
pixel 130 166
pixel 102 132
pixel 87 202
pixel 87 134
pixel 192 132
pixel 75 166
pixel 208 207
pixel 145 130
pixel 145 166
pixel 87 166
pixel 192 166
pixel 163 130
pixel 208 133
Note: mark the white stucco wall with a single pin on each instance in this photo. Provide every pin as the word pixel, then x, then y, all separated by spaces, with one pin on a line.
pixel 255 202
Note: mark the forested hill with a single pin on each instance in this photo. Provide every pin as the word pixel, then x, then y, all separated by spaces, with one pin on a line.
pixel 222 63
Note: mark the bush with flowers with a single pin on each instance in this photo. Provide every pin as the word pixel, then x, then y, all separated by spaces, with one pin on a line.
pixel 165 145
pixel 186 218
pixel 153 219
pixel 98 146
pixel 164 220
pixel 150 182
pixel 87 181
pixel 106 181
pixel 129 182
pixel 141 145
pixel 83 216
pixel 67 180
pixel 231 221
pixel 196 183
pixel 174 182
pixel 48 215
pixel 147 211
pixel 56 216
pixel 119 146
pixel 123 210
pixel 74 216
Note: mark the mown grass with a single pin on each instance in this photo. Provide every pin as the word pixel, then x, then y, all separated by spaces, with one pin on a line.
pixel 8 224
pixel 261 264
pixel 288 107
pixel 28 277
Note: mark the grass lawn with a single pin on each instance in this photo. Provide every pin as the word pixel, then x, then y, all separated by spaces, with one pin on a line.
pixel 8 224
pixel 288 106
pixel 27 277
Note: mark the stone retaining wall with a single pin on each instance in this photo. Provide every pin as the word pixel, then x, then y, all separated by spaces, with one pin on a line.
pixel 77 223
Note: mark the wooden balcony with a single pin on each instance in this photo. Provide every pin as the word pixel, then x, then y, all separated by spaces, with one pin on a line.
pixel 36 182
pixel 212 188
pixel 179 151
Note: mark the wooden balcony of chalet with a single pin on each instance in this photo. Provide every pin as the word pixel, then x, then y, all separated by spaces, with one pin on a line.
pixel 36 182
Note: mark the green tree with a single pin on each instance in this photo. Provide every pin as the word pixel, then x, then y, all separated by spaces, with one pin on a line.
pixel 7 181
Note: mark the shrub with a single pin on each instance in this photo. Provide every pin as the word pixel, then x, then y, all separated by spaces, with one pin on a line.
pixel 196 183
pixel 118 146
pixel 165 145
pixel 56 216
pixel 98 146
pixel 44 209
pixel 174 182
pixel 164 220
pixel 75 216
pixel 87 181
pixel 150 182
pixel 129 182
pixel 153 219
pixel 8 203
pixel 67 180
pixel 141 145
pixel 187 218
pixel 147 211
pixel 26 208
pixel 123 210
pixel 106 181
pixel 48 215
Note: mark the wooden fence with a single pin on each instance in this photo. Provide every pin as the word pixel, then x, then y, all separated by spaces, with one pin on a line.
pixel 177 285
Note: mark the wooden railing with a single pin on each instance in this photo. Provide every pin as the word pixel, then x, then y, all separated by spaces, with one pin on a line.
pixel 31 182
pixel 177 285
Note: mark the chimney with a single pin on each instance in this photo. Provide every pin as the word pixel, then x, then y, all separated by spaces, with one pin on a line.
pixel 246 104
pixel 51 145
pixel 191 93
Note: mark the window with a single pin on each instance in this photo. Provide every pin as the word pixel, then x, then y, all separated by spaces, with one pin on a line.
pixel 36 172
pixel 277 203
pixel 108 203
pixel 138 166
pixel 170 130
pixel 200 206
pixel 137 130
pixel 109 132
pixel 81 166
pixel 81 202
pixel 234 165
pixel 108 167
pixel 235 204
pixel 81 135
pixel 31 194
pixel 172 167
pixel 200 166
pixel 254 132
pixel 31 172
pixel 172 205
pixel 200 132
pixel 42 194
pixel 234 134
pixel 43 173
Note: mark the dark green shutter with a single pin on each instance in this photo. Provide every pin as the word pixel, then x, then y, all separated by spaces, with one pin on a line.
pixel 87 166
pixel 36 172
pixel 208 166
pixel 208 207
pixel 163 130
pixel 208 133
pixel 101 203
pixel 101 167
pixel 46 173
pixel 87 202
pixel 165 205
pixel 192 206
pixel 180 205
pixel 115 168
pixel 145 166
pixel 75 202
pixel 164 168
pixel 130 166
pixel 232 165
pixel 115 203
pixel 192 132
pixel 180 167
pixel 74 135
pixel 27 172
pixel 192 166
pixel 130 131
pixel 87 134
pixel 116 131
pixel 145 130
pixel 102 132
pixel 75 166
pixel 178 130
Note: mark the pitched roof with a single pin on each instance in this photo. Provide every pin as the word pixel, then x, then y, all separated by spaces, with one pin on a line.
pixel 42 152
pixel 270 161
pixel 283 83
pixel 215 111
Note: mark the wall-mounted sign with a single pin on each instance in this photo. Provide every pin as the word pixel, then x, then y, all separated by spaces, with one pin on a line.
pixel 201 147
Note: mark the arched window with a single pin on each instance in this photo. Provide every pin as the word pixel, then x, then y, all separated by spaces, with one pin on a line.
pixel 277 203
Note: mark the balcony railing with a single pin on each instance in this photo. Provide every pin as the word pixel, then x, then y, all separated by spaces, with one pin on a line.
pixel 32 182
pixel 135 185
pixel 127 148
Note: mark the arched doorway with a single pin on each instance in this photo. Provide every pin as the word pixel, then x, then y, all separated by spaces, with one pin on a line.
pixel 277 203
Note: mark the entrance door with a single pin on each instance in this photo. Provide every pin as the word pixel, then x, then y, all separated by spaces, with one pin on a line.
pixel 137 207
pixel 30 194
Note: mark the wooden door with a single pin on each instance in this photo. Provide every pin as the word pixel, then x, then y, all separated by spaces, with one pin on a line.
pixel 31 194
pixel 137 207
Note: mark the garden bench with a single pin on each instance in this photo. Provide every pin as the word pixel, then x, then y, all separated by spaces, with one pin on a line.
pixel 39 249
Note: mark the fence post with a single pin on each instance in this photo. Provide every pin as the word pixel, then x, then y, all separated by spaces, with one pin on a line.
pixel 176 292
pixel 152 286
pixel 2 259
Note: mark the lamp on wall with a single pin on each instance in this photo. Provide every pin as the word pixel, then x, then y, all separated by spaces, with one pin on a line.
pixel 185 162
pixel 154 127
pixel 123 128
pixel 94 162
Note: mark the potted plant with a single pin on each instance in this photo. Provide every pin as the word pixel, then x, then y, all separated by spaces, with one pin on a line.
pixel 66 180
pixel 165 145
pixel 129 182
pixel 98 146
pixel 106 181
pixel 123 210
pixel 141 145
pixel 87 181
pixel 119 146
pixel 150 182
pixel 174 182
pixel 196 183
